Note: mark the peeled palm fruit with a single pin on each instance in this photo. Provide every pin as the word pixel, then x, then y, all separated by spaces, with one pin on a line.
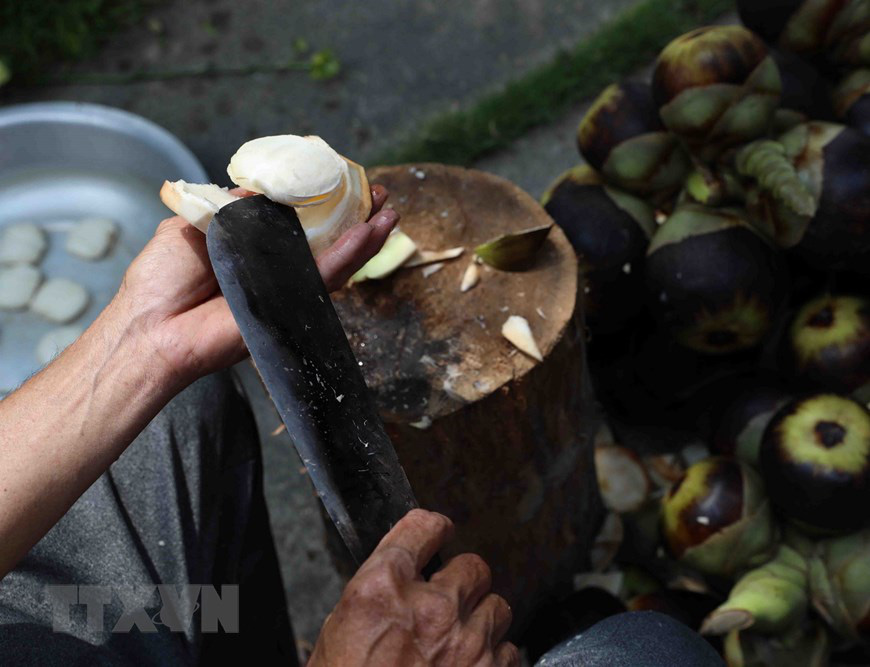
pixel 17 285
pixel 91 238
pixel 23 243
pixel 60 300
pixel 195 202
pixel 329 192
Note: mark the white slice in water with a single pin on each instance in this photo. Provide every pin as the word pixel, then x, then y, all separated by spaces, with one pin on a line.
pixel 55 342
pixel 195 202
pixel 91 238
pixel 516 329
pixel 60 300
pixel 22 243
pixel 17 285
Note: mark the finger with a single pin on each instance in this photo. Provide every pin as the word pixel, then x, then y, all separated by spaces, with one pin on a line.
pixel 506 655
pixel 379 197
pixel 419 534
pixel 383 223
pixel 355 247
pixel 336 262
pixel 467 577
pixel 241 192
pixel 491 618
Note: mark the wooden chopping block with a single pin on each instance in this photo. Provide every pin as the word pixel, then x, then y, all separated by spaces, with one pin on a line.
pixel 495 440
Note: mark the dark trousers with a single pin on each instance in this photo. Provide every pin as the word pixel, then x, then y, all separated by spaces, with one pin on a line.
pixel 634 639
pixel 182 505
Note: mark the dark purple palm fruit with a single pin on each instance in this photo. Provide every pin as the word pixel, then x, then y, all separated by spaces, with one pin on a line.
pixel 811 193
pixel 828 343
pixel 713 280
pixel 806 94
pixel 622 137
pixel 716 87
pixel 852 100
pixel 742 424
pixel 610 231
pixel 815 461
pixel 832 30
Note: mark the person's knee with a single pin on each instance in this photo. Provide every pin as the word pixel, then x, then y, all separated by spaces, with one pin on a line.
pixel 634 639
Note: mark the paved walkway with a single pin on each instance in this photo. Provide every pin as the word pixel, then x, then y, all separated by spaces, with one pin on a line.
pixel 402 63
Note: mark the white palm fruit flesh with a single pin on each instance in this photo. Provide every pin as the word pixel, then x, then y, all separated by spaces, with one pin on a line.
pixel 195 202
pixel 329 192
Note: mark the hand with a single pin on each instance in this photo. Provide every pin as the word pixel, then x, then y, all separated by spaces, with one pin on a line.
pixel 171 296
pixel 388 615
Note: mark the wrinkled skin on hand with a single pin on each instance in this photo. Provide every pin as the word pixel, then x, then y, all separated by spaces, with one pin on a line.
pixel 389 615
pixel 170 291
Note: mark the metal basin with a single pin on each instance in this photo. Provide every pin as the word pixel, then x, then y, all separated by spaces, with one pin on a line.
pixel 62 161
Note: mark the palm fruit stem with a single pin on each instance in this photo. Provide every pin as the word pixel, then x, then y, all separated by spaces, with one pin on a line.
pixel 766 162
pixel 769 599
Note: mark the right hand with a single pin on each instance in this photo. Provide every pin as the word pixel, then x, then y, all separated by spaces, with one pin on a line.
pixel 388 615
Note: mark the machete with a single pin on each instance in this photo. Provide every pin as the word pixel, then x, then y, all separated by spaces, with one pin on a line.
pixel 267 273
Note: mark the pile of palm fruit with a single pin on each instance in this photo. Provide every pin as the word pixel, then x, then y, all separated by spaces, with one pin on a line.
pixel 722 222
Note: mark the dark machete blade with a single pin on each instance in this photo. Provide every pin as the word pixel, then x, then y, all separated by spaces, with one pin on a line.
pixel 267 273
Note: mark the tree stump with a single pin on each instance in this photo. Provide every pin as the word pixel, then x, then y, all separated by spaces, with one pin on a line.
pixel 490 437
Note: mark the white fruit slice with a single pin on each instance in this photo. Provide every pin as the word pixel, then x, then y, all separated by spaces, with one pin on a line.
pixel 55 342
pixel 22 243
pixel 195 202
pixel 60 300
pixel 397 249
pixel 91 238
pixel 17 285
pixel 288 169
pixel 516 329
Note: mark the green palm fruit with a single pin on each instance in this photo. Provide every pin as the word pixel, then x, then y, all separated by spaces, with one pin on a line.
pixel 852 100
pixel 622 136
pixel 837 31
pixel 770 599
pixel 815 460
pixel 839 577
pixel 610 231
pixel 716 87
pixel 716 518
pixel 811 193
pixel 713 280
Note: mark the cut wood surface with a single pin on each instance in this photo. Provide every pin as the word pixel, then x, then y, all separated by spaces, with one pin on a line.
pixel 489 436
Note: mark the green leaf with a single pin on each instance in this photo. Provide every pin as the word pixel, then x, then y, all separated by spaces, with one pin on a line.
pixel 324 65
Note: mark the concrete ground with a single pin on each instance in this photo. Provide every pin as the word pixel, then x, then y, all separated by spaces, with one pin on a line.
pixel 402 62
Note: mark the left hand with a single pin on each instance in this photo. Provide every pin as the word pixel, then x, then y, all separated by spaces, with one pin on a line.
pixel 170 296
